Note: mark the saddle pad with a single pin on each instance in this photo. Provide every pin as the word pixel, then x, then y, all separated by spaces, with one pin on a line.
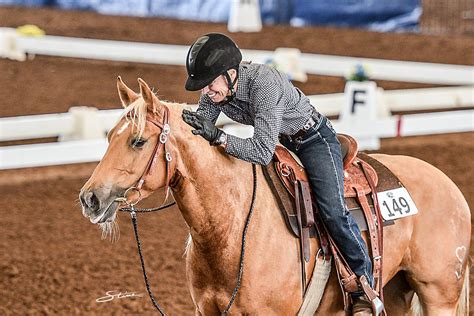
pixel 386 181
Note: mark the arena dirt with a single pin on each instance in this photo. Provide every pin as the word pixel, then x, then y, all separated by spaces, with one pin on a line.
pixel 52 260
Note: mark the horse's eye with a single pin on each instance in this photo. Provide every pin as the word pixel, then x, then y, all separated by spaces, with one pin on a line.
pixel 138 142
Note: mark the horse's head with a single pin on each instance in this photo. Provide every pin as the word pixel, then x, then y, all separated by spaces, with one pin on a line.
pixel 139 158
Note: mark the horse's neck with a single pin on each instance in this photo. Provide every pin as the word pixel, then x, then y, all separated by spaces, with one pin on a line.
pixel 214 194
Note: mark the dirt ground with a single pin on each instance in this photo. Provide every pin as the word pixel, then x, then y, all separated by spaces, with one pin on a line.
pixel 52 260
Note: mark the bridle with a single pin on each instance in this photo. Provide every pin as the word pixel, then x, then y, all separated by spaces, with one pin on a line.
pixel 161 143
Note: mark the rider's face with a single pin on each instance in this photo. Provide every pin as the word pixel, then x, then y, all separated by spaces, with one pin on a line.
pixel 218 90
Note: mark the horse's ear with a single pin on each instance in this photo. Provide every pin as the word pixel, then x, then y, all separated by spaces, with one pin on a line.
pixel 147 95
pixel 126 94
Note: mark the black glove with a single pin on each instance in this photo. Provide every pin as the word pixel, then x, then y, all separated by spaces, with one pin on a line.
pixel 203 127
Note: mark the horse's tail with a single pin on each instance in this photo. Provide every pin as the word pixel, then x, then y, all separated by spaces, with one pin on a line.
pixel 463 302
pixel 415 308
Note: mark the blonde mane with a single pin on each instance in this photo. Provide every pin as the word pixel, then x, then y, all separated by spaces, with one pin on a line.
pixel 136 114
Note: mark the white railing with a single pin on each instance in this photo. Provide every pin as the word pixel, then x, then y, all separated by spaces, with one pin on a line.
pixel 86 129
pixel 61 153
pixel 15 46
pixel 22 156
pixel 412 125
pixel 51 125
pixel 62 124
pixel 404 100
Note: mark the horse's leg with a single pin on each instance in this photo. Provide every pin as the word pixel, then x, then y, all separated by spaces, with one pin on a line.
pixel 436 259
pixel 398 295
pixel 434 301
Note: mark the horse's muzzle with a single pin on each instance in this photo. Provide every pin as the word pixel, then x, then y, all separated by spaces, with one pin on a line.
pixel 95 206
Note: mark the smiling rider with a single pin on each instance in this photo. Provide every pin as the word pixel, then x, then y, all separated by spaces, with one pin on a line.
pixel 258 95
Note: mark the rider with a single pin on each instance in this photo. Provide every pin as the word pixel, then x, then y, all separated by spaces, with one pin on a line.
pixel 258 95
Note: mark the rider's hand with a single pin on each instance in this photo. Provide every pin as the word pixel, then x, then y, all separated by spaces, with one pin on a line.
pixel 204 127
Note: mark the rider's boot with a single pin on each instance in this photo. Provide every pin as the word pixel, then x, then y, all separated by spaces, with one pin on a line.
pixel 361 306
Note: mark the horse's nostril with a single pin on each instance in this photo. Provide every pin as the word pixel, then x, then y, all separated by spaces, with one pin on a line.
pixel 90 200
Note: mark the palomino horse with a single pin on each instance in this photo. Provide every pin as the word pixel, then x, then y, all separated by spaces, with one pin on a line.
pixel 426 253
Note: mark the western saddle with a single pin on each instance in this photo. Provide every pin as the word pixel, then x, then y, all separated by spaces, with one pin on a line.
pixel 290 185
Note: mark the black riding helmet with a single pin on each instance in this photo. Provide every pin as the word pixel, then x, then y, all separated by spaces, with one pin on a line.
pixel 210 56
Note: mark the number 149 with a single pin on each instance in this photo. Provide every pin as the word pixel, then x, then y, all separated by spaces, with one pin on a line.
pixel 401 206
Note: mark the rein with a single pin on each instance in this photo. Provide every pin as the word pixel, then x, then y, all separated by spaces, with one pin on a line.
pixel 165 130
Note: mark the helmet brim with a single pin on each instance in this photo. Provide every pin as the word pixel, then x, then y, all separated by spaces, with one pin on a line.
pixel 197 84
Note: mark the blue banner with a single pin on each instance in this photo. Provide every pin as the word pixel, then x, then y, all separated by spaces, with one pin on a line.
pixel 378 15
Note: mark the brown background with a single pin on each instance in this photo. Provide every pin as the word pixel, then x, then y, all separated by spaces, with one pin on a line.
pixel 52 260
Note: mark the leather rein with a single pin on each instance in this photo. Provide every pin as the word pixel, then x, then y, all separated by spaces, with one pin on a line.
pixel 162 140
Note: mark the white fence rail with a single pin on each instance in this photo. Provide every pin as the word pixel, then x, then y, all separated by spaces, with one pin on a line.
pixel 78 124
pixel 22 156
pixel 404 100
pixel 36 155
pixel 412 125
pixel 14 46
pixel 35 126
pixel 437 123
pixel 52 125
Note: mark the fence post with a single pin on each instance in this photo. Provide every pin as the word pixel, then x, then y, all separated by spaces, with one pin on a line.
pixel 244 16
pixel 86 124
pixel 360 109
pixel 8 45
pixel 288 61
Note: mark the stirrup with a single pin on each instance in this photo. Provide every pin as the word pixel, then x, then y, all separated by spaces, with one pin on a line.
pixel 375 301
pixel 377 306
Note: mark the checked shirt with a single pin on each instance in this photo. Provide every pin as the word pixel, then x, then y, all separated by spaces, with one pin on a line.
pixel 268 101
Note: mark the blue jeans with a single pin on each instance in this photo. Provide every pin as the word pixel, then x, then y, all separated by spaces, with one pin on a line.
pixel 320 152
